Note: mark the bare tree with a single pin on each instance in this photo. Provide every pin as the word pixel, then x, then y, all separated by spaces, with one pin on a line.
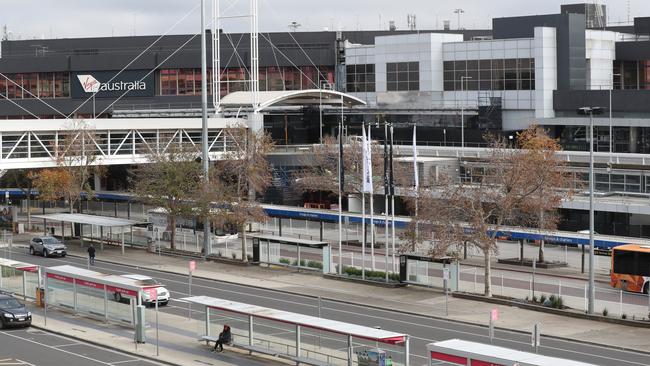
pixel 171 181
pixel 245 172
pixel 517 186
pixel 77 155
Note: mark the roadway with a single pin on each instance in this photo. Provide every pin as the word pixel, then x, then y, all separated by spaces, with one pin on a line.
pixel 422 329
pixel 34 347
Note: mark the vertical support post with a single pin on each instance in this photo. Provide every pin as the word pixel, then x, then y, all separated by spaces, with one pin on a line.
pixel 279 226
pixel 620 303
pixel 74 293
pixel 350 357
pixel 521 250
pixel 298 246
pixel 586 305
pixel 128 212
pixel 122 240
pixel 62 229
pixel 115 208
pixel 250 331
pixel 105 304
pixel 297 342
pixel 101 238
pixel 321 231
pixel 582 263
pixel 24 286
pixel 157 328
pixel 45 300
pixel 407 352
pixel 207 322
pixel 131 227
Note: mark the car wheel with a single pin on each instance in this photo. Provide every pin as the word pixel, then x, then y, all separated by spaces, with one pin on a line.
pixel 45 253
pixel 2 324
pixel 63 255
pixel 118 297
pixel 31 250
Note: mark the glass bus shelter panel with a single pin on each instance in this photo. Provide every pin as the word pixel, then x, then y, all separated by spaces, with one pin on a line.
pixel 121 308
pixel 238 324
pixel 31 284
pixel 367 352
pixel 90 298
pixel 327 347
pixel 269 252
pixel 60 291
pixel 11 280
pixel 424 273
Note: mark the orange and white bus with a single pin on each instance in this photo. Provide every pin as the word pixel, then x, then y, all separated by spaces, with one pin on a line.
pixel 631 267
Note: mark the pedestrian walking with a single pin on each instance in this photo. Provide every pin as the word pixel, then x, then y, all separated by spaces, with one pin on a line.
pixel 91 254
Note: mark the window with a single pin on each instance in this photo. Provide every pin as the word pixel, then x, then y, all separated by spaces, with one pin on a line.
pixel 360 78
pixel 631 262
pixel 403 76
pixel 497 74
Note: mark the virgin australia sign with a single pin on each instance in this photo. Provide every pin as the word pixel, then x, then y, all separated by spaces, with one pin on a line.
pixel 111 84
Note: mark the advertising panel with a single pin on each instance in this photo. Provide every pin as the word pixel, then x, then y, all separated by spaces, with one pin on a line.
pixel 108 84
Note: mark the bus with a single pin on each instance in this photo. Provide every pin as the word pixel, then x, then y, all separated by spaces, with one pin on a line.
pixel 631 268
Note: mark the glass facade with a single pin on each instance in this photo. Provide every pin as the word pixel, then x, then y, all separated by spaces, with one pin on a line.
pixel 497 74
pixel 42 85
pixel 632 74
pixel 188 81
pixel 360 78
pixel 403 76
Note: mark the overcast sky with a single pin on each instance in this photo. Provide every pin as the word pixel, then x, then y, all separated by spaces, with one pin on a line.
pixel 27 19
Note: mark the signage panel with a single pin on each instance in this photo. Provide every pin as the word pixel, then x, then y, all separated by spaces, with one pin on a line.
pixel 108 84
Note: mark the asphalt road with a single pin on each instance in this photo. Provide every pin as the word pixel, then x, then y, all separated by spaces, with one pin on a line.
pixel 422 329
pixel 39 348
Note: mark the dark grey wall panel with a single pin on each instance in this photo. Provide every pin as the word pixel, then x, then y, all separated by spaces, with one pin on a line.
pixel 623 101
pixel 633 51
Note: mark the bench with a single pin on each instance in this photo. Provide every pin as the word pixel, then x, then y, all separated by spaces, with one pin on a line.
pixel 266 351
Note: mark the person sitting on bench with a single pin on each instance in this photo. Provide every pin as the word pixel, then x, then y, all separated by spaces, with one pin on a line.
pixel 225 337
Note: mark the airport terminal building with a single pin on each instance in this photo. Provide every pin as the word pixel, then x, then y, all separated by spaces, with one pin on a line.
pixel 527 69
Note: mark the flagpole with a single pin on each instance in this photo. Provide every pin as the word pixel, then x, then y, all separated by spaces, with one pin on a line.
pixel 386 191
pixel 341 188
pixel 363 204
pixel 392 196
pixel 372 204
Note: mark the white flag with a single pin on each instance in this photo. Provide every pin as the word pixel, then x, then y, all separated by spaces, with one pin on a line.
pixel 367 163
pixel 416 179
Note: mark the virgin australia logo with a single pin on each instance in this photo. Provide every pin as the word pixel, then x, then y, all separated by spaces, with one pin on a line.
pixel 92 85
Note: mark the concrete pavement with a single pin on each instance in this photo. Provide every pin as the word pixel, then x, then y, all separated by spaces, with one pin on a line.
pixel 415 300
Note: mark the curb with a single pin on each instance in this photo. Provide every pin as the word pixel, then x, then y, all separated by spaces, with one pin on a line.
pixel 107 346
pixel 381 308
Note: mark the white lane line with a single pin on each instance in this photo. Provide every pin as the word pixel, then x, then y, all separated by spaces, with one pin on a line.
pixel 57 349
pixel 125 361
pixel 66 345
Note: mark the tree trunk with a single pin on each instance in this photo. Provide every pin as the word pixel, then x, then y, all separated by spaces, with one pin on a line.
pixel 541 251
pixel 172 237
pixel 488 273
pixel 244 249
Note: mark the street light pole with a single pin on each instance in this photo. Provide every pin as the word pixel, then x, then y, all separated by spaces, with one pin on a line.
pixel 592 291
pixel 204 128
pixel 462 113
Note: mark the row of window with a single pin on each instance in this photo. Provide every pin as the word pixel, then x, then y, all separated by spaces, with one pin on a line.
pixel 188 81
pixel 498 74
pixel 632 74
pixel 360 78
pixel 32 85
pixel 400 76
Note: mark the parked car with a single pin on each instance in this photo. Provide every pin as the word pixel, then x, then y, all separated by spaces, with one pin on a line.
pixel 163 294
pixel 13 313
pixel 47 246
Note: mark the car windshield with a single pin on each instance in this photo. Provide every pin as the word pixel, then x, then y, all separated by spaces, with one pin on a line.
pixel 50 241
pixel 149 282
pixel 10 303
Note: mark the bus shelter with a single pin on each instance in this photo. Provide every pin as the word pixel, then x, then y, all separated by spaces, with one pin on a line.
pixel 416 269
pixel 291 252
pixel 301 338
pixel 19 278
pixel 460 352
pixel 95 294
pixel 82 220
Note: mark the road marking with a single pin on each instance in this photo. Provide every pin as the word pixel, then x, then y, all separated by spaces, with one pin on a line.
pixel 66 345
pixel 61 350
pixel 125 361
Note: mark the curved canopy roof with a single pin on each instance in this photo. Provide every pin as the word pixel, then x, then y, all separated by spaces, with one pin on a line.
pixel 243 99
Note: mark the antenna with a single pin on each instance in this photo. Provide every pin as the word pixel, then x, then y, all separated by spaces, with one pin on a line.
pixel 5 34
pixel 294 25
pixel 629 11
pixel 391 25
pixel 411 21
pixel 459 12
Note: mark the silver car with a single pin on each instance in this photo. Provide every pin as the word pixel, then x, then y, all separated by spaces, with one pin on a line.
pixel 47 246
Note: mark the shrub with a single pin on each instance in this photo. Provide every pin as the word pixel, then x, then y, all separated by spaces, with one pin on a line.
pixel 542 298
pixel 624 316
pixel 559 303
pixel 552 298
pixel 285 261
pixel 234 255
pixel 315 264
pixel 534 298
pixel 219 254
pixel 605 312
pixel 295 262
pixel 249 257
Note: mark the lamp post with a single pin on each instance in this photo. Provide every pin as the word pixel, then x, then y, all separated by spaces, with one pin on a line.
pixel 590 111
pixel 207 247
pixel 462 113
pixel 459 12
pixel 611 135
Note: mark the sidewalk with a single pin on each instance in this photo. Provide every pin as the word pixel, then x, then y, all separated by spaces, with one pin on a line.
pixel 416 300
pixel 179 343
